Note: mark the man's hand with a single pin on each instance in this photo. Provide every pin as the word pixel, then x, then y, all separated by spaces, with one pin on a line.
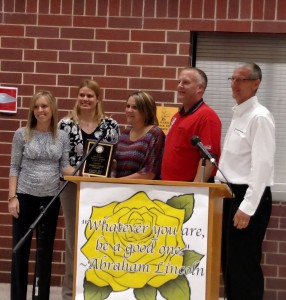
pixel 241 219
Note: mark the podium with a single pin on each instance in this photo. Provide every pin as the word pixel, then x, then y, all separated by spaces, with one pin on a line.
pixel 147 237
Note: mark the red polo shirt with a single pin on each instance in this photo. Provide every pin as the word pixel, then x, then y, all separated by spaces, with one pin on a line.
pixel 181 158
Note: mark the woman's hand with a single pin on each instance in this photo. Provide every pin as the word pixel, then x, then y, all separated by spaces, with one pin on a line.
pixel 14 207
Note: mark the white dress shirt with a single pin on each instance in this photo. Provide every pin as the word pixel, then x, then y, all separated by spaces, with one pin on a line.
pixel 248 151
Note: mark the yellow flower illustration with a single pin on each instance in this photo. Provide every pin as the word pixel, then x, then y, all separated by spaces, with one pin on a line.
pixel 129 244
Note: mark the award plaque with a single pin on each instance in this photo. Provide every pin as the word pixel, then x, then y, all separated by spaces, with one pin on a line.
pixel 100 160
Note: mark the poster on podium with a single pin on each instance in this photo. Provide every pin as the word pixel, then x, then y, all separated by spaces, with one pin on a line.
pixel 137 241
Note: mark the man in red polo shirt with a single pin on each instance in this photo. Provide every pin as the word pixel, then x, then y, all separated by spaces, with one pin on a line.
pixel 181 160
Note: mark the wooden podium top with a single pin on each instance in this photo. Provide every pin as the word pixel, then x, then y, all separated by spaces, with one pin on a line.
pixel 221 189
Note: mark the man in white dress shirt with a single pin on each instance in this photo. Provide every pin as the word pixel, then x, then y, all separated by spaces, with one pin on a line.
pixel 247 162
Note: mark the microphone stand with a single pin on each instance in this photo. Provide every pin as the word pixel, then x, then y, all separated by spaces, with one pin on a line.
pixel 35 223
pixel 203 168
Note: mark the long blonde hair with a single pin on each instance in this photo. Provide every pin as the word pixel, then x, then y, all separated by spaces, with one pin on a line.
pixel 32 121
pixel 99 112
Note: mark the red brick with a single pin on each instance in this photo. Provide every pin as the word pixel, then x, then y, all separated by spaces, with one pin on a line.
pixel 23 19
pixel 234 26
pixel 114 8
pixel 77 33
pixel 283 223
pixel 184 49
pixel 55 20
pixel 15 54
pixel 44 7
pixel 55 7
pixel 11 30
pixel 160 48
pixel 185 9
pixel 275 235
pixel 279 209
pixel 90 7
pixel 11 124
pixel 89 21
pixel 209 9
pixel 8 7
pixel 281 10
pixel 197 9
pixel 5 149
pixel 233 9
pixel 40 55
pixel 145 84
pixel 112 34
pixel 39 79
pixel 282 247
pixel 149 9
pixel 53 44
pixel 102 8
pixel 117 95
pixel 113 82
pixel 270 246
pixel 53 68
pixel 177 61
pixel 146 59
pixel 173 8
pixel 197 25
pixel 178 36
pixel 116 22
pixel 282 272
pixel 245 9
pixel 20 43
pixel 110 58
pixel 137 10
pixel 87 69
pixel 274 222
pixel 158 72
pixel 276 259
pixel 269 27
pixel 164 24
pixel 270 295
pixel 89 46
pixel 276 283
pixel 281 295
pixel 269 10
pixel 148 35
pixel 128 71
pixel 257 9
pixel 161 8
pixel 20 66
pixel 41 31
pixel 126 8
pixel 73 56
pixel 221 9
pixel 270 271
pixel 124 47
pixel 11 78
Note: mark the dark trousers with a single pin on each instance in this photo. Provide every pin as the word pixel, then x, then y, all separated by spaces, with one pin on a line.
pixel 30 208
pixel 241 248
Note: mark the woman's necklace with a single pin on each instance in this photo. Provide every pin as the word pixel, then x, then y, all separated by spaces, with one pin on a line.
pixel 88 126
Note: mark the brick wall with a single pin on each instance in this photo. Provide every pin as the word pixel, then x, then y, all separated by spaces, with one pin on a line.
pixel 124 45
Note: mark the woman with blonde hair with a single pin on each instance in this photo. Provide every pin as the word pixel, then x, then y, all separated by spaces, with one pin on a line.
pixel 140 148
pixel 39 154
pixel 86 121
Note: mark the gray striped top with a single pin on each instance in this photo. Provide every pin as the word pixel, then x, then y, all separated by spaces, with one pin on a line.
pixel 38 162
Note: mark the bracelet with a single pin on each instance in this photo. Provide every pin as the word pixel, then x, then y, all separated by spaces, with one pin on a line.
pixel 10 198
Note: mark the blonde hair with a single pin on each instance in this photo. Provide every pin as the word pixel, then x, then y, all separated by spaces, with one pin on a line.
pixel 32 121
pixel 146 106
pixel 99 112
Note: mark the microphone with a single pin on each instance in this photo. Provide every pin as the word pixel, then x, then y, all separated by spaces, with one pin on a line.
pixel 196 141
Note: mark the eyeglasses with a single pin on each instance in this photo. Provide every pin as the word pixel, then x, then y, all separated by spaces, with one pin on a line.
pixel 240 80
